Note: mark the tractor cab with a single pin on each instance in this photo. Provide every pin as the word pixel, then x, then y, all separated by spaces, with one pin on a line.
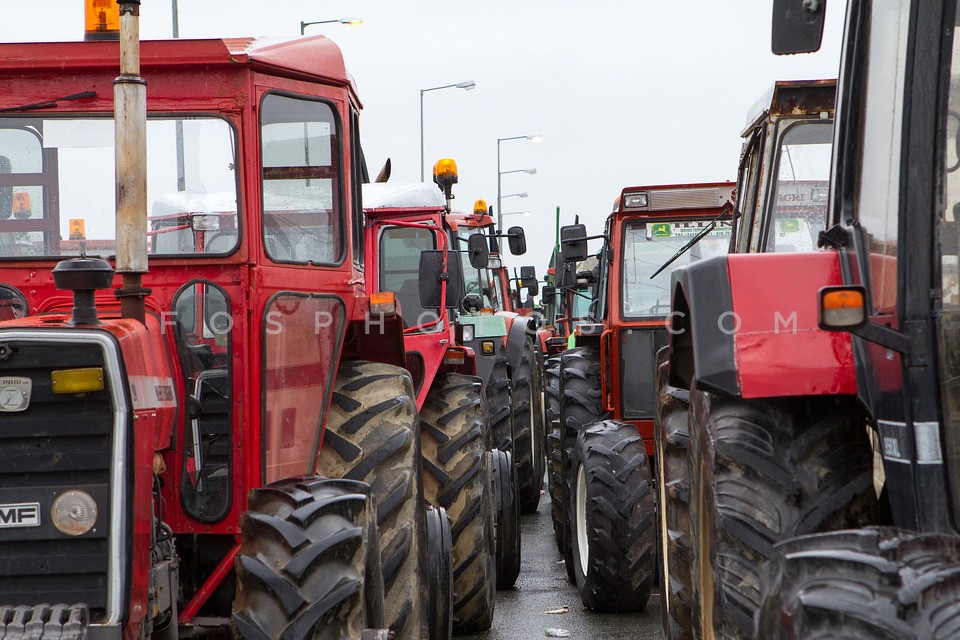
pixel 651 232
pixel 784 173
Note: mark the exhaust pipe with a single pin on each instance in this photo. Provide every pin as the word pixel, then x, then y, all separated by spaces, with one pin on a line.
pixel 130 116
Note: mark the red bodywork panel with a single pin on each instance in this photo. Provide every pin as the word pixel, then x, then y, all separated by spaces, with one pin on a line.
pixel 787 354
pixel 430 346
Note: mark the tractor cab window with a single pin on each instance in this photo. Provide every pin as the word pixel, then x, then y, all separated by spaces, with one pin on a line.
pixel 798 200
pixel 57 187
pixel 949 339
pixel 648 245
pixel 748 189
pixel 476 281
pixel 400 249
pixel 301 181
pixel 203 326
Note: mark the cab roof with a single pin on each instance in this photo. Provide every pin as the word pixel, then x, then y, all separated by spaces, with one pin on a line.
pixel 793 98
pixel 313 58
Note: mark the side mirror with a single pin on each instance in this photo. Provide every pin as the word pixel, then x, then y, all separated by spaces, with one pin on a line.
pixel 479 253
pixel 797 26
pixel 528 280
pixel 549 294
pixel 517 241
pixel 573 243
pixel 431 268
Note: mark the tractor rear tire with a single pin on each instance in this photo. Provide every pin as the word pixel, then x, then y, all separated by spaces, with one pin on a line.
pixel 614 515
pixel 672 439
pixel 870 583
pixel 765 471
pixel 558 504
pixel 580 405
pixel 373 435
pixel 458 478
pixel 528 429
pixel 497 394
pixel 303 561
pixel 507 518
pixel 440 563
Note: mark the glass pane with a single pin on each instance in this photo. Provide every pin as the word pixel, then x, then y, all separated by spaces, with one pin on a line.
pixel 302 211
pixel 949 243
pixel 400 249
pixel 68 205
pixel 476 281
pixel 800 194
pixel 647 246
pixel 300 348
pixel 203 327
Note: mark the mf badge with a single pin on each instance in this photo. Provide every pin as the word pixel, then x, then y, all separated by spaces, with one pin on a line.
pixel 15 394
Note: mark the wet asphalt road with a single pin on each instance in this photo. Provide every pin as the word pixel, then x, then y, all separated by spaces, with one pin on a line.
pixel 519 613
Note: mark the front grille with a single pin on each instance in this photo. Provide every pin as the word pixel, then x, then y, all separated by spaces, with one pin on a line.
pixel 59 442
pixel 638 350
pixel 668 199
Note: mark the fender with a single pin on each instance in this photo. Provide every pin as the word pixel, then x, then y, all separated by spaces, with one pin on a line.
pixel 517 330
pixel 746 324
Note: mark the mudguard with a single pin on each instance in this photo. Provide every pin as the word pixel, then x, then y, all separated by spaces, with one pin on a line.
pixel 747 325
pixel 517 330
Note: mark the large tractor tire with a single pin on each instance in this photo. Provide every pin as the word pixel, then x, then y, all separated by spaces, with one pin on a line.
pixel 373 435
pixel 497 394
pixel 580 405
pixel 507 519
pixel 440 563
pixel 302 569
pixel 528 429
pixel 614 518
pixel 765 471
pixel 458 478
pixel 551 399
pixel 869 584
pixel 673 473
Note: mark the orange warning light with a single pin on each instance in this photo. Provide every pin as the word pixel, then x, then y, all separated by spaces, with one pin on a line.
pixel 77 229
pixel 101 20
pixel 21 205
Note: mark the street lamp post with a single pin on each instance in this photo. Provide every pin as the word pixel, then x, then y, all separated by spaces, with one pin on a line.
pixel 532 138
pixel 467 85
pixel 353 22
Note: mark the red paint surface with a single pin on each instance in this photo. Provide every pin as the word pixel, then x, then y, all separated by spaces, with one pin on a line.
pixel 779 349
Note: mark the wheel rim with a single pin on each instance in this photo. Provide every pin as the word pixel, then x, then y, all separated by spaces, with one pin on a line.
pixel 533 434
pixel 583 544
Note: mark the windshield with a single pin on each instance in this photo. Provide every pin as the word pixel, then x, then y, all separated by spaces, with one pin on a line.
pixel 799 198
pixel 400 249
pixel 582 299
pixel 57 187
pixel 476 281
pixel 647 246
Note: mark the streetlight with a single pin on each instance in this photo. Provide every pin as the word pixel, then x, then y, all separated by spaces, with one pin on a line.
pixel 525 214
pixel 522 194
pixel 353 22
pixel 531 138
pixel 466 85
pixel 530 171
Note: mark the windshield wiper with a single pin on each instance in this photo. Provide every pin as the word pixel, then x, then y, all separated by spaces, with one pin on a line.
pixel 694 240
pixel 52 102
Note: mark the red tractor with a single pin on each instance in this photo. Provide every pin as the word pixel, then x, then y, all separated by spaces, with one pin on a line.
pixel 411 246
pixel 782 190
pixel 828 407
pixel 606 383
pixel 890 301
pixel 168 445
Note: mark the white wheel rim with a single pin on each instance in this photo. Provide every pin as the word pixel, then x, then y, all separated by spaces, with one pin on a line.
pixel 533 434
pixel 583 544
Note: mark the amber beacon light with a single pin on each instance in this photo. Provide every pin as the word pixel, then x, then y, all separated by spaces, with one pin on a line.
pixel 101 20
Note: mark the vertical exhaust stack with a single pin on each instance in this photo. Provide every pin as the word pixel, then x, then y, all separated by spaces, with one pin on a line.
pixel 130 116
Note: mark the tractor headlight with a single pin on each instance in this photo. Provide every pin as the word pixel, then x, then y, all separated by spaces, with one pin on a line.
pixel 74 512
pixel 468 333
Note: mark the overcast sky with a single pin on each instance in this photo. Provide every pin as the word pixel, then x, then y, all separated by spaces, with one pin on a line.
pixel 625 93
